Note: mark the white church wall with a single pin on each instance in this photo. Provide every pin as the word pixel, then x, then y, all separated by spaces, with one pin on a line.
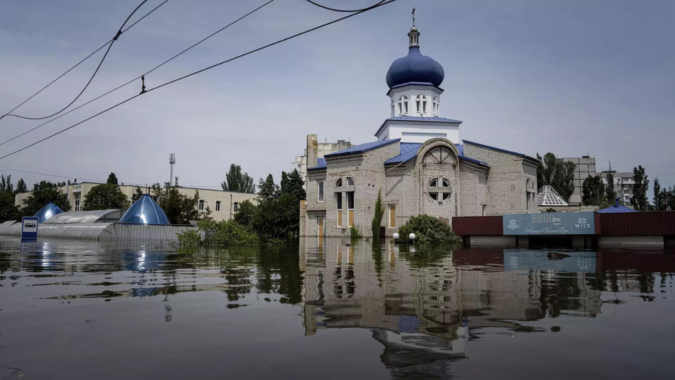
pixel 411 92
pixel 415 132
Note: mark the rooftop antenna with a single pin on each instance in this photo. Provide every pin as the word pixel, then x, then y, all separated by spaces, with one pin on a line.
pixel 172 161
pixel 610 165
pixel 413 15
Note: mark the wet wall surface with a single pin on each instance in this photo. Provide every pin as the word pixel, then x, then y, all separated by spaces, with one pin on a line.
pixel 331 310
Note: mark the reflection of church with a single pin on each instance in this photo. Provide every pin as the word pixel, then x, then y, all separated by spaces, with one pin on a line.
pixel 421 307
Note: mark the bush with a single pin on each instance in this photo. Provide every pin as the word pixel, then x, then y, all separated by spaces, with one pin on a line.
pixel 377 218
pixel 355 232
pixel 226 232
pixel 427 229
pixel 189 238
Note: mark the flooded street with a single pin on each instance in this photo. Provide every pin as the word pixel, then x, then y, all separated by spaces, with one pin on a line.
pixel 327 310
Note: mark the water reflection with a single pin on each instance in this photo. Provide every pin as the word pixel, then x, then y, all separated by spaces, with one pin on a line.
pixel 426 312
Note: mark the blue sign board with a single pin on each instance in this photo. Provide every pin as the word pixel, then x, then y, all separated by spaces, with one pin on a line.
pixel 29 228
pixel 550 223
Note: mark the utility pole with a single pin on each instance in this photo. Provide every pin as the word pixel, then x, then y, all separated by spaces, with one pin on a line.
pixel 172 161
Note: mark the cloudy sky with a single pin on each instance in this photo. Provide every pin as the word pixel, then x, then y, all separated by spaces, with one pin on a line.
pixel 569 76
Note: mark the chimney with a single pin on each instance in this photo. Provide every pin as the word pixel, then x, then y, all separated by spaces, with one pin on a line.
pixel 312 151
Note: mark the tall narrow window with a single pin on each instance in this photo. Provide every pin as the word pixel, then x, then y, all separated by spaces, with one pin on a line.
pixel 350 181
pixel 437 105
pixel 403 105
pixel 338 202
pixel 392 216
pixel 217 205
pixel 421 104
pixel 201 205
pixel 77 201
pixel 350 206
pixel 320 191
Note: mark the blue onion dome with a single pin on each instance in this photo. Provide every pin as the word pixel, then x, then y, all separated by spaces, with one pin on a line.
pixel 415 67
pixel 145 211
pixel 47 212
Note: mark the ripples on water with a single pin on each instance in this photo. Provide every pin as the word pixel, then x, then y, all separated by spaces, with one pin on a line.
pixel 319 310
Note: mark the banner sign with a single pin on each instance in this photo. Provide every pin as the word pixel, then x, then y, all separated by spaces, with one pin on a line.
pixel 550 223
pixel 29 228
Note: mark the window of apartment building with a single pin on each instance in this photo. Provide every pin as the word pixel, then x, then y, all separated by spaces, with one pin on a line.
pixel 217 205
pixel 350 206
pixel 392 216
pixel 235 206
pixel 338 202
pixel 320 185
pixel 201 205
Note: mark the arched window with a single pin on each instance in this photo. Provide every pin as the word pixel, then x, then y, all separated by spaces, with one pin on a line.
pixel 440 155
pixel 350 181
pixel 393 109
pixel 437 105
pixel 403 105
pixel 421 104
pixel 338 183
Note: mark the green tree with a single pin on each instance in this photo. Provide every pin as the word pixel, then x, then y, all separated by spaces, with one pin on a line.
pixel 43 193
pixel 277 217
pixel 609 191
pixel 291 183
pixel 138 193
pixel 179 208
pixel 267 189
pixel 245 213
pixel 6 184
pixel 640 188
pixel 112 179
pixel 21 186
pixel 8 209
pixel 377 218
pixel 593 191
pixel 669 198
pixel 235 180
pixel 104 197
pixel 657 195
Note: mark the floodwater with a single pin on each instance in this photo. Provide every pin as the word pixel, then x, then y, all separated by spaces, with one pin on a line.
pixel 327 310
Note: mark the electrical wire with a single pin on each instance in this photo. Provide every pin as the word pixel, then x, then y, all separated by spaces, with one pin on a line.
pixel 110 44
pixel 85 58
pixel 195 73
pixel 346 10
pixel 140 76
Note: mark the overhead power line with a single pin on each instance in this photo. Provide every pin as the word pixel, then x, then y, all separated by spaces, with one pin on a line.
pixel 142 75
pixel 346 10
pixel 110 44
pixel 195 73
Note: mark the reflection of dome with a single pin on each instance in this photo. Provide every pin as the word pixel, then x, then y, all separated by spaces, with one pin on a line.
pixel 145 211
pixel 47 212
pixel 415 67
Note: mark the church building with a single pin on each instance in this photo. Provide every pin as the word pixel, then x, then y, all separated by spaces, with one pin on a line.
pixel 418 163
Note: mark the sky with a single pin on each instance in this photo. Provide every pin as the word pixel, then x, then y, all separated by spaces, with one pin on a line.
pixel 571 77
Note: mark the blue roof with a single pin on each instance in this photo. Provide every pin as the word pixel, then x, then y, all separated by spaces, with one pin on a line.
pixel 409 152
pixel 616 209
pixel 47 212
pixel 497 149
pixel 145 211
pixel 320 164
pixel 362 148
pixel 415 67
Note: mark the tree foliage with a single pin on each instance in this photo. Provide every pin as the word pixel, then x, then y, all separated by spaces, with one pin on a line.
pixel 267 189
pixel 640 188
pixel 179 208
pixel 6 184
pixel 277 217
pixel 658 201
pixel 21 186
pixel 609 191
pixel 138 193
pixel 104 197
pixel 427 229
pixel 377 217
pixel 112 179
pixel 593 191
pixel 43 193
pixel 557 174
pixel 236 180
pixel 291 183
pixel 245 213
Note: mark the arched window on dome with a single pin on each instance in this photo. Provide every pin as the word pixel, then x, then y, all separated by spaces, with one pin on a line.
pixel 437 105
pixel 393 109
pixel 421 104
pixel 403 105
